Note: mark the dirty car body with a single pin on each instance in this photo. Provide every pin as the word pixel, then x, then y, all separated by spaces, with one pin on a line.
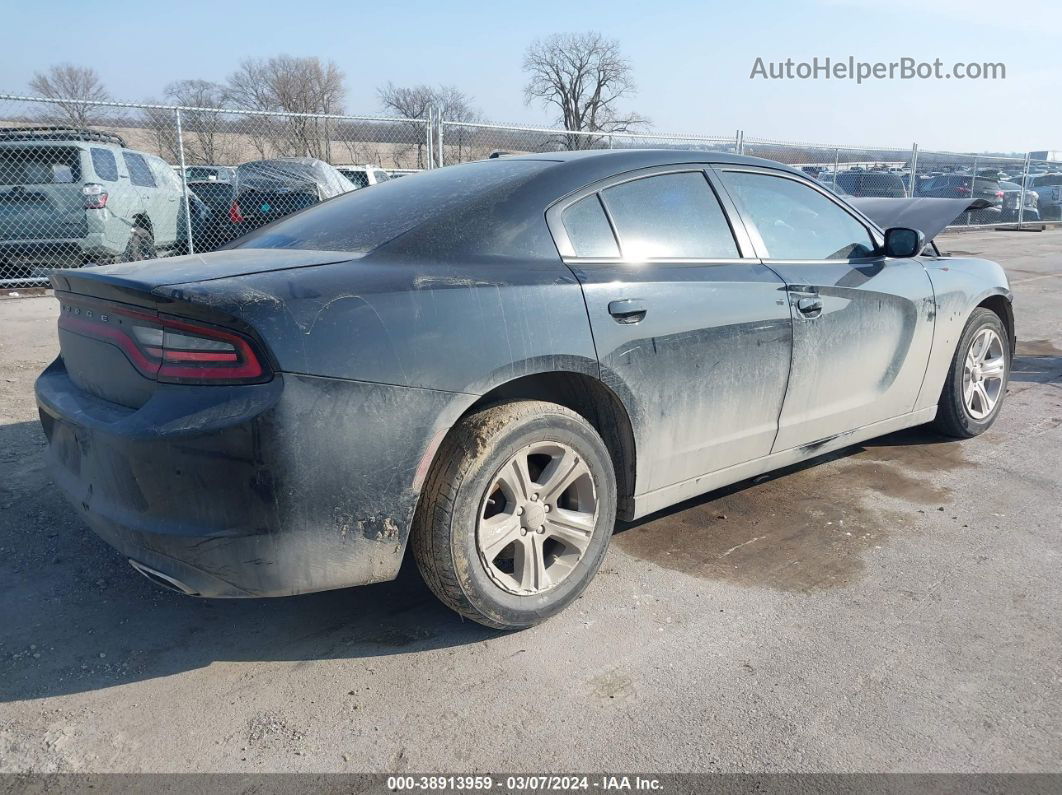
pixel 352 337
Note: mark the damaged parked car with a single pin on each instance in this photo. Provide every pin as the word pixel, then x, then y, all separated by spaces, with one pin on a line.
pixel 266 190
pixel 492 362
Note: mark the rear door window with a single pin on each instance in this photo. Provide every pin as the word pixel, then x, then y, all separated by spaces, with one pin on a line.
pixel 139 172
pixel 674 216
pixel 104 164
pixel 588 229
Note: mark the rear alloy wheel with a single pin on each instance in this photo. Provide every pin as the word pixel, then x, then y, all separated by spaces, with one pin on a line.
pixel 517 514
pixel 537 519
pixel 141 245
pixel 977 380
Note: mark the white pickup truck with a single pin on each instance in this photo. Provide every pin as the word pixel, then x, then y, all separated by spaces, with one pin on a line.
pixel 364 176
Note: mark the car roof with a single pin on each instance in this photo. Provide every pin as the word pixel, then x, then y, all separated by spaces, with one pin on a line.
pixel 573 170
pixel 624 159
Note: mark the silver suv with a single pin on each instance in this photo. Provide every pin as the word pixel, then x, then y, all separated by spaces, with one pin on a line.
pixel 70 197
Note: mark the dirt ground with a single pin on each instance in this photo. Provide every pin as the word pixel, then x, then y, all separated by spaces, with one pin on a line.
pixel 892 607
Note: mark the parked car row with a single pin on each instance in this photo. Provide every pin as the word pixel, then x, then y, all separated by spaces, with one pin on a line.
pixel 71 197
pixel 994 196
pixel 241 199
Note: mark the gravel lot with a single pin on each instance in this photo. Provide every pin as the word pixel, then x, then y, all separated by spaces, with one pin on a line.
pixel 893 607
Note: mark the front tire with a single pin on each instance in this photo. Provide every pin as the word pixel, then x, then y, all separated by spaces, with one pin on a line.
pixel 977 381
pixel 516 515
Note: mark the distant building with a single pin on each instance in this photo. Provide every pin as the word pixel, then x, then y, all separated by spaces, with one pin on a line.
pixel 1048 154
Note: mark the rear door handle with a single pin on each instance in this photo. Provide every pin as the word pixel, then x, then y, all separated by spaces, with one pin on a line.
pixel 810 306
pixel 629 310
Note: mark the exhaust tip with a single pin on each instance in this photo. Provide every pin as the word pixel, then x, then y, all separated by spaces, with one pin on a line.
pixel 164 580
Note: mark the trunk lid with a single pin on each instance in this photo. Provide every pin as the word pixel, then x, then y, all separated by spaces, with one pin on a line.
pixel 133 282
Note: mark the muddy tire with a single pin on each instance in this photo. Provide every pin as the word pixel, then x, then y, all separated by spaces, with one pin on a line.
pixel 977 381
pixel 141 245
pixel 516 514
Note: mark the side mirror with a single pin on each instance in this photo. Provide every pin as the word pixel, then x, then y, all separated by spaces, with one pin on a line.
pixel 902 242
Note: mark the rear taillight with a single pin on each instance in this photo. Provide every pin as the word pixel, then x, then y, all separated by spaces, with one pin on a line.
pixel 962 190
pixel 166 348
pixel 95 196
pixel 234 213
pixel 999 194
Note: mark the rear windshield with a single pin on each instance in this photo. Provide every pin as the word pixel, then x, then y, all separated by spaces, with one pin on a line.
pixel 39 165
pixel 1050 179
pixel 363 220
pixel 215 194
pixel 196 173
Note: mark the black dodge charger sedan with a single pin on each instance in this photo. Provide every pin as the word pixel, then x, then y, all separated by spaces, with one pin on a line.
pixel 491 362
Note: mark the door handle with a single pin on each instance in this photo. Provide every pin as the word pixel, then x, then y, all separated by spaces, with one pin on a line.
pixel 629 310
pixel 810 306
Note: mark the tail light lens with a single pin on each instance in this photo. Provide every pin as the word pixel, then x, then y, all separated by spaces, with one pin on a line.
pixel 95 196
pixel 234 213
pixel 166 348
pixel 962 190
pixel 999 194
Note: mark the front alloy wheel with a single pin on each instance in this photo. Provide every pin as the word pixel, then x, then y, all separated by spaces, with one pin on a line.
pixel 983 371
pixel 977 380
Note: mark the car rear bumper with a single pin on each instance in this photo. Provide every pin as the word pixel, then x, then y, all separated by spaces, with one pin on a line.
pixel 56 253
pixel 273 489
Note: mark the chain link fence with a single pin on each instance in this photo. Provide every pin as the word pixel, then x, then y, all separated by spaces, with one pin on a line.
pixel 461 142
pixel 86 183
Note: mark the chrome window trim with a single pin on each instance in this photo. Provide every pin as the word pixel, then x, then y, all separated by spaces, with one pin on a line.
pixel 566 250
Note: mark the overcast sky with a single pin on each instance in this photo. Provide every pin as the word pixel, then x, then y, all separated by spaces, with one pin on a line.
pixel 691 60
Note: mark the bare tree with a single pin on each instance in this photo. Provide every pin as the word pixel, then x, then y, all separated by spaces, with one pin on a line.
pixel 203 127
pixel 285 83
pixel 448 103
pixel 162 124
pixel 70 83
pixel 583 76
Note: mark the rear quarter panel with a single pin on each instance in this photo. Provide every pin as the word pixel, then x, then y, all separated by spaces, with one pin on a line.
pixel 380 359
pixel 460 328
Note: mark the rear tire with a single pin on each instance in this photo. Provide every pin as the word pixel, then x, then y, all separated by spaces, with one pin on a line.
pixel 977 381
pixel 516 514
pixel 141 245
